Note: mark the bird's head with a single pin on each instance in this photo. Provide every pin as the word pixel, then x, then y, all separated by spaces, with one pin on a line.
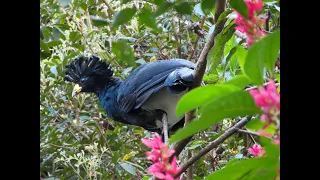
pixel 88 73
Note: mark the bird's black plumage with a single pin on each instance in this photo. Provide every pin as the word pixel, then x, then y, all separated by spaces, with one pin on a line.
pixel 149 91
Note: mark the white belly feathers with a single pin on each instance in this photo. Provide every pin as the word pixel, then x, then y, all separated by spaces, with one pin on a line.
pixel 167 102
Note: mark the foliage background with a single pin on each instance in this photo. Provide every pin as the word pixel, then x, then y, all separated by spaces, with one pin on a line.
pixel 77 141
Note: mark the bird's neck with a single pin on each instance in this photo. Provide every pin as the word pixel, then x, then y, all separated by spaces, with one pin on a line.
pixel 106 87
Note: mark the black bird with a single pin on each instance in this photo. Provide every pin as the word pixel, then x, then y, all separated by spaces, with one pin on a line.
pixel 146 98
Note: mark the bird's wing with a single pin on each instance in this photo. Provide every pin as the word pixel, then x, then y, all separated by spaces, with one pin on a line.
pixel 151 77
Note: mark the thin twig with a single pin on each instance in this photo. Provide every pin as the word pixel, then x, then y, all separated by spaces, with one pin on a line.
pixel 254 141
pixel 248 132
pixel 165 127
pixel 102 134
pixel 109 7
pixel 88 18
pixel 197 39
pixel 267 20
pixel 57 146
pixel 265 84
pixel 214 144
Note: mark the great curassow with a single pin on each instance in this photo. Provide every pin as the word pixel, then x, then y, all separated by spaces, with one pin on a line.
pixel 146 98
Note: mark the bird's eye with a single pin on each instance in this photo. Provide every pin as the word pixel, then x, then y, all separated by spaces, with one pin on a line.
pixel 82 80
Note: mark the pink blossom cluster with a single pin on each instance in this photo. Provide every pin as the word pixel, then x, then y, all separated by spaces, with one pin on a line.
pixel 256 150
pixel 269 101
pixel 160 155
pixel 251 26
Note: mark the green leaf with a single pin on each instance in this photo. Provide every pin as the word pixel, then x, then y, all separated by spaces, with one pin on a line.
pixel 278 77
pixel 240 6
pixel 193 147
pixel 256 125
pixel 84 6
pixel 230 54
pixel 232 162
pixel 79 47
pixel 56 33
pixel 207 5
pixel 238 103
pixel 47 33
pixel 54 71
pixel 123 16
pixel 242 54
pixel 163 7
pixel 183 8
pixel 125 1
pixel 230 105
pixel 44 46
pixel 241 81
pixel 243 169
pixel 253 65
pixel 223 15
pixel 230 47
pixel 53 112
pixel 272 48
pixel 147 178
pixel 85 118
pixel 201 95
pixel 123 52
pixel 128 167
pixel 197 9
pixel 272 150
pixel 99 22
pixel 158 2
pixel 65 3
pixel 238 156
pixel 74 36
pixel 146 17
pixel 215 55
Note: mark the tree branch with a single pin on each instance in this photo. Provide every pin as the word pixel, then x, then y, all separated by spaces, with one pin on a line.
pixel 200 69
pixel 214 144
pixel 267 20
pixel 265 84
pixel 190 169
pixel 248 132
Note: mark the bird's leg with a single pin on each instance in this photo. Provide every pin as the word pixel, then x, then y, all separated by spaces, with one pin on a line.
pixel 165 127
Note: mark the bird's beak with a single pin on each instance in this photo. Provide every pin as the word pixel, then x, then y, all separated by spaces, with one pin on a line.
pixel 76 90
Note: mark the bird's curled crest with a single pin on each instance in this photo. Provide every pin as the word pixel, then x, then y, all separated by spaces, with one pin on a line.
pixel 86 66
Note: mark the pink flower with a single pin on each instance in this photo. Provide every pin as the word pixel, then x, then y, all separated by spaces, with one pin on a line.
pixel 240 28
pixel 167 153
pixel 153 156
pixel 160 155
pixel 277 141
pixel 156 170
pixel 265 134
pixel 251 26
pixel 155 144
pixel 256 150
pixel 268 99
pixel 174 169
pixel 254 6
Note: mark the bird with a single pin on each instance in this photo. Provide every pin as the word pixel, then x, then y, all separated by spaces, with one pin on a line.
pixel 146 98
